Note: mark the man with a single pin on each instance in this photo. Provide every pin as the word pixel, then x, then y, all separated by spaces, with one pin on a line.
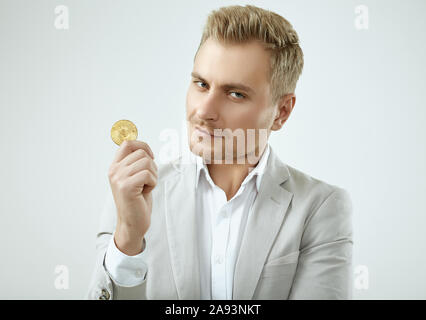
pixel 232 223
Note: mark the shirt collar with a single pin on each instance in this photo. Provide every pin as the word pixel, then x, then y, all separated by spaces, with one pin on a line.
pixel 258 171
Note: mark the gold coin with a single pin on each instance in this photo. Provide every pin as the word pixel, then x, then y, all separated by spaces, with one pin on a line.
pixel 123 130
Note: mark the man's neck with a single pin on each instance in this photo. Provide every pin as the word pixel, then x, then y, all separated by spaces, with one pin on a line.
pixel 229 177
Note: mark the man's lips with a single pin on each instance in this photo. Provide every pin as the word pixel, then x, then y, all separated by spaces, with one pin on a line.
pixel 207 132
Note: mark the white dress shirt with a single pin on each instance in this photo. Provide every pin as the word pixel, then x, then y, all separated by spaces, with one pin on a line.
pixel 221 225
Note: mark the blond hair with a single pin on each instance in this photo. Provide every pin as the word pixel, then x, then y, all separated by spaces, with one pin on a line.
pixel 238 24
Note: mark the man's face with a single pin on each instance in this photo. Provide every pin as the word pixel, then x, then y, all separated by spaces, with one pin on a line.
pixel 229 89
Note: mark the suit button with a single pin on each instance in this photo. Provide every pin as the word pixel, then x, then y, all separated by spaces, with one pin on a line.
pixel 105 295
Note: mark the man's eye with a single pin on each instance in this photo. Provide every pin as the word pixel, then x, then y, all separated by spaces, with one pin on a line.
pixel 238 95
pixel 200 82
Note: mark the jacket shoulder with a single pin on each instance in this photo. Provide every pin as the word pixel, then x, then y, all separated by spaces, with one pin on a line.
pixel 171 168
pixel 306 186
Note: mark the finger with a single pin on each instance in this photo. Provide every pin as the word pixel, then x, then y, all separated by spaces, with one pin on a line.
pixel 128 146
pixel 134 156
pixel 140 165
pixel 143 179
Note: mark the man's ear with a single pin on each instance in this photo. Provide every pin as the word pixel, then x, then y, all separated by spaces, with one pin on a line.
pixel 283 109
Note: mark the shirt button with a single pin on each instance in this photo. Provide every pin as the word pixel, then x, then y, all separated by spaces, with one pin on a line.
pixel 219 259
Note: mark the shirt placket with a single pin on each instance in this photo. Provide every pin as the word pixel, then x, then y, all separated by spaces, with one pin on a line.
pixel 220 237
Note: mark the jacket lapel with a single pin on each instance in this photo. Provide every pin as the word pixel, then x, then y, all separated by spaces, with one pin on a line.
pixel 181 230
pixel 263 224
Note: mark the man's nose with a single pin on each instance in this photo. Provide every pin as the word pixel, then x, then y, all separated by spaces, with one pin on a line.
pixel 208 106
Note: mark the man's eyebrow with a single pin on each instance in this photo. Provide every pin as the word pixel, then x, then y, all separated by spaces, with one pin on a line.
pixel 226 86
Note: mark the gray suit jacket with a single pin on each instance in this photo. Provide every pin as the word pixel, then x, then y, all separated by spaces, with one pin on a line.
pixel 297 243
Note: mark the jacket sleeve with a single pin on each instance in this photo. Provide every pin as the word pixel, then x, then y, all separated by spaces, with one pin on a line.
pixel 324 269
pixel 102 286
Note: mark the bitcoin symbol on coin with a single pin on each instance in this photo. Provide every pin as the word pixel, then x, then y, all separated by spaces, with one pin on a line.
pixel 123 130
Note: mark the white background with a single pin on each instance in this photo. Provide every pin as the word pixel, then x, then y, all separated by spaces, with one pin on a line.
pixel 359 123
